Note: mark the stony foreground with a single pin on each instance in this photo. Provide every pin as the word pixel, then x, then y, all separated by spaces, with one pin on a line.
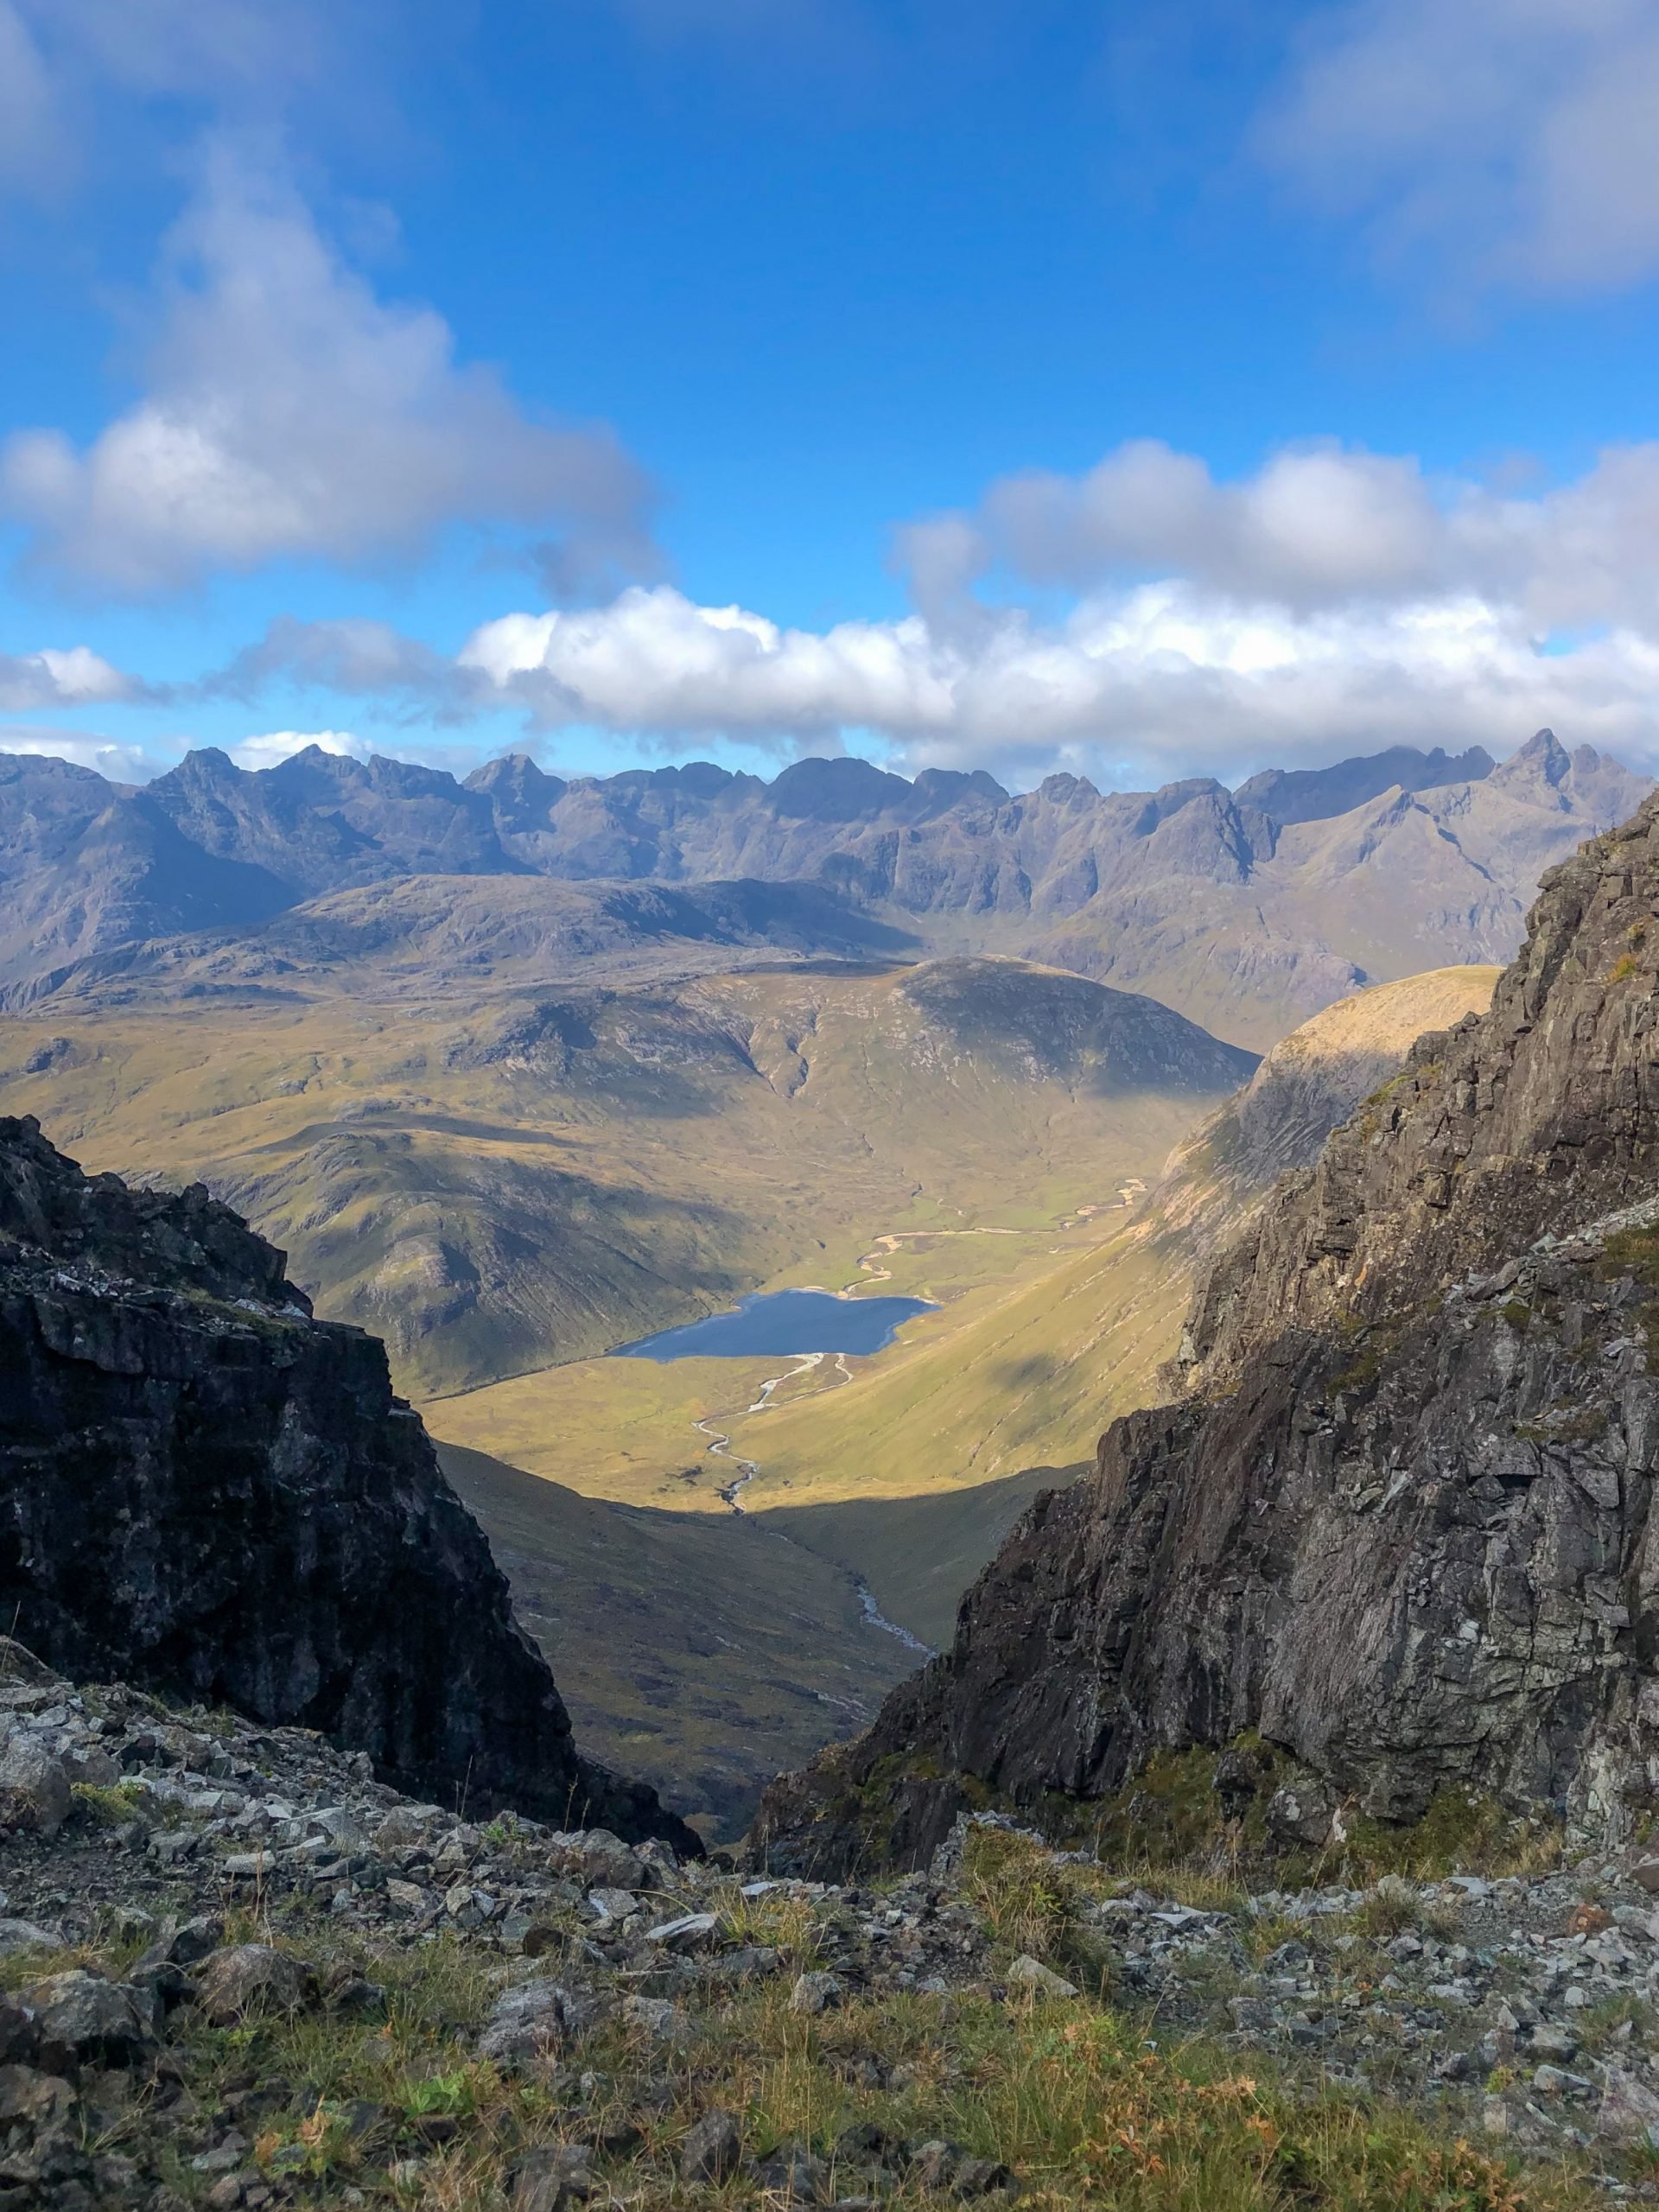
pixel 242 1973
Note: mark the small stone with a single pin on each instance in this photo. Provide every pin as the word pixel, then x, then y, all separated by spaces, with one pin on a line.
pixel 405 1826
pixel 24 1936
pixel 530 2023
pixel 815 1992
pixel 1629 2111
pixel 933 2164
pixel 550 2179
pixel 249 1979
pixel 225 2193
pixel 34 1793
pixel 197 1940
pixel 688 1933
pixel 20 2039
pixel 92 1768
pixel 713 2150
pixel 981 2177
pixel 34 2098
pixel 658 2016
pixel 603 1861
pixel 1299 1816
pixel 1032 1975
pixel 223 2158
pixel 1645 1875
pixel 246 1865
pixel 794 2176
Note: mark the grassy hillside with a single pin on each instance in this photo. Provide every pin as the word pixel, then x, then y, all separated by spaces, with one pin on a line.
pixel 703 1655
pixel 907 1469
pixel 493 1178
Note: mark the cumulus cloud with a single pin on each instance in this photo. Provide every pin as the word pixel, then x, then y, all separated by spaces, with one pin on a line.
pixel 290 414
pixel 75 677
pixel 1511 141
pixel 272 747
pixel 122 764
pixel 1136 683
pixel 1316 526
pixel 349 654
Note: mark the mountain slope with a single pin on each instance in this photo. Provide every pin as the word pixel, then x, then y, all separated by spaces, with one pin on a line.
pixel 495 1168
pixel 703 1654
pixel 1405 1536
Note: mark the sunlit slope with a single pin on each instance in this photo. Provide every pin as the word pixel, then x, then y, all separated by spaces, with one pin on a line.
pixel 1042 1336
pixel 493 1178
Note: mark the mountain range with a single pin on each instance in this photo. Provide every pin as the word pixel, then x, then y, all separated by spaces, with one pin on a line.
pixel 1245 910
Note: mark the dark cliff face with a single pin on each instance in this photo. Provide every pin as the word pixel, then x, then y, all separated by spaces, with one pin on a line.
pixel 1405 1530
pixel 204 1490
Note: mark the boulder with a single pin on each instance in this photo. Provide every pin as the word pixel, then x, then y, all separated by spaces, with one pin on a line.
pixel 34 1792
pixel 82 2019
pixel 247 1980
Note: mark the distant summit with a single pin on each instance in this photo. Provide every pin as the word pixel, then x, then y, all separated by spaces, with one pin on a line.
pixel 1287 795
pixel 1247 911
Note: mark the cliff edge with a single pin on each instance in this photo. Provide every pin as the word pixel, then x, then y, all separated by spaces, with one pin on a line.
pixel 205 1492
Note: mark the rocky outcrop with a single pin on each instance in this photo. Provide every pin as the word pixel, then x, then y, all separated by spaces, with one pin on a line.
pixel 204 1490
pixel 1404 1530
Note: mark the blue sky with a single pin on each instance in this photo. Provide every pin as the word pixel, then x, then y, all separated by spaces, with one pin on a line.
pixel 1014 386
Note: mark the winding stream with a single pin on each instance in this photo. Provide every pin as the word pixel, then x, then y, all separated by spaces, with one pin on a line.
pixel 871 1271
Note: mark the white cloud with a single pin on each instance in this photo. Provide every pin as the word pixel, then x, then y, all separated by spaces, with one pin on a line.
pixel 652 660
pixel 290 414
pixel 122 764
pixel 273 747
pixel 1316 526
pixel 1510 141
pixel 73 677
pixel 1138 682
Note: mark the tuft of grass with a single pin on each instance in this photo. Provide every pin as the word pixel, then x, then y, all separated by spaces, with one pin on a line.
pixel 1017 1890
pixel 109 1804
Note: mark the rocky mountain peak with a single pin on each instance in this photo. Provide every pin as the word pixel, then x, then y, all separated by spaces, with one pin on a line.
pixel 1537 1118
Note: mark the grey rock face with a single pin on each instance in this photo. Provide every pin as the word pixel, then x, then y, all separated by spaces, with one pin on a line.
pixel 204 1490
pixel 1407 1535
